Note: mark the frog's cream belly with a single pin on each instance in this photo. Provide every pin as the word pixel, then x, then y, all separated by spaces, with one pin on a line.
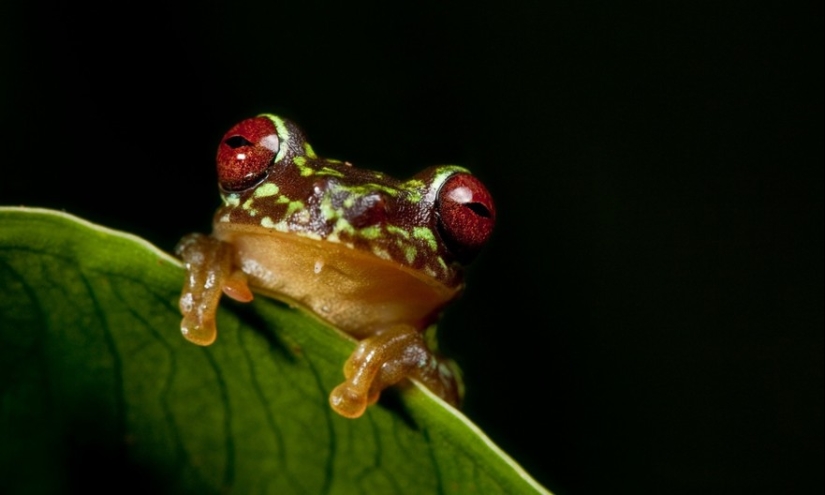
pixel 353 290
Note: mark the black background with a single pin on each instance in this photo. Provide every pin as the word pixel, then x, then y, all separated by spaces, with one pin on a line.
pixel 648 317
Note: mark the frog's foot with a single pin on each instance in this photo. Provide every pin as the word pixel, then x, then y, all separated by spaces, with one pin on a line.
pixel 385 359
pixel 209 271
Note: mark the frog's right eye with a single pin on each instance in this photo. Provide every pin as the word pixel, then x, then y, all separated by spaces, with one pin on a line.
pixel 466 215
pixel 245 153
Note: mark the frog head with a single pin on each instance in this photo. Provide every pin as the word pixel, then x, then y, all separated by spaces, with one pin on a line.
pixel 433 223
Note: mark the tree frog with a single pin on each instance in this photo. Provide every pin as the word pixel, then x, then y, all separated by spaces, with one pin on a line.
pixel 373 256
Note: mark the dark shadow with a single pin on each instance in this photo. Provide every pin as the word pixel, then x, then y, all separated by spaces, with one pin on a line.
pixel 391 400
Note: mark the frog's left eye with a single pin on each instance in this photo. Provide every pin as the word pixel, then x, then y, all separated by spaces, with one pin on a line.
pixel 466 215
pixel 246 152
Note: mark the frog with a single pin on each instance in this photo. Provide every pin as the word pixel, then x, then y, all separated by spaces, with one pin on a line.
pixel 375 257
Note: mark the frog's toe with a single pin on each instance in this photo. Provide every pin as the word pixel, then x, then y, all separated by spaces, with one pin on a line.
pixel 236 287
pixel 348 401
pixel 198 330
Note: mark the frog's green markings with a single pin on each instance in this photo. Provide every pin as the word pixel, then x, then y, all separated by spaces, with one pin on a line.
pixel 427 236
pixel 371 188
pixel 328 210
pixel 247 205
pixel 283 134
pixel 429 271
pixel 442 265
pixel 342 225
pixel 330 172
pixel 370 233
pixel 410 253
pixel 266 190
pixel 301 217
pixel 414 185
pixel 267 222
pixel 381 253
pixel 293 207
pixel 398 231
pixel 309 151
pixel 300 162
pixel 415 196
pixel 231 199
pixel 441 177
pixel 413 188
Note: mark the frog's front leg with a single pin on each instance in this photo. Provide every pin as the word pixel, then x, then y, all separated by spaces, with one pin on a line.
pixel 385 359
pixel 210 271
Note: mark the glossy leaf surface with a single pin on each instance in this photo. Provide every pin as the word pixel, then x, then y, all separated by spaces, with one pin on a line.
pixel 95 377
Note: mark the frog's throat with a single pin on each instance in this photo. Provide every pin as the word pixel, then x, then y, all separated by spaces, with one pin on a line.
pixel 351 289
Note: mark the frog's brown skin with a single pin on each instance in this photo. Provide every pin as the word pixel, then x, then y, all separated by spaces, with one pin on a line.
pixel 374 256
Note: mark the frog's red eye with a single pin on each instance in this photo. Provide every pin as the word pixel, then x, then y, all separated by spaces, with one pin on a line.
pixel 467 215
pixel 246 152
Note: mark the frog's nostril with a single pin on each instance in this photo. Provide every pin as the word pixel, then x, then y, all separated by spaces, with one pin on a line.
pixel 236 142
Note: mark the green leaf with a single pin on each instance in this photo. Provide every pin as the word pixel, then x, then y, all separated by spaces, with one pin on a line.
pixel 95 379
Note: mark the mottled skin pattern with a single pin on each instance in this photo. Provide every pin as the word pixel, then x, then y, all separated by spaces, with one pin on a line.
pixel 372 255
pixel 333 201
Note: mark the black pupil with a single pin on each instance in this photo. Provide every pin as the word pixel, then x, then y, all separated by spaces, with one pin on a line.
pixel 479 209
pixel 236 142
